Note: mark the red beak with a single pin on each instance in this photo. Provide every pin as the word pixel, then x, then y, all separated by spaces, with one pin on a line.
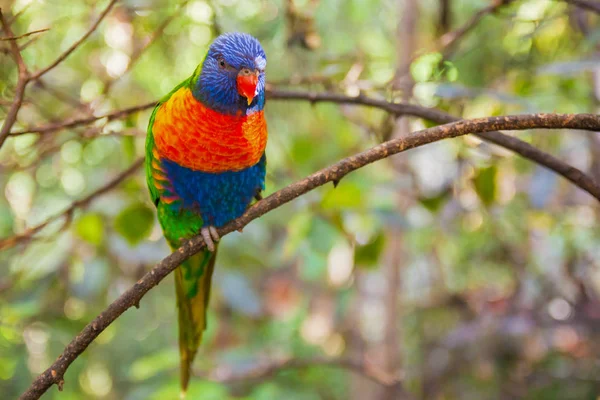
pixel 246 85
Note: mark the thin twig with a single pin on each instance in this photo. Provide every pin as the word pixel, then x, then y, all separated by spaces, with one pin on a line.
pixel 86 120
pixel 25 34
pixel 334 173
pixel 68 213
pixel 75 45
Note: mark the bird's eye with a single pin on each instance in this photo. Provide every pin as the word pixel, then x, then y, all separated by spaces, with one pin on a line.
pixel 222 62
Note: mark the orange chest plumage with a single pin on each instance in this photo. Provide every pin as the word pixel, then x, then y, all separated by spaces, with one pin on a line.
pixel 196 137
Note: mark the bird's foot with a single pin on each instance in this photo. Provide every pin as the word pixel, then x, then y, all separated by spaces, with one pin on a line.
pixel 210 236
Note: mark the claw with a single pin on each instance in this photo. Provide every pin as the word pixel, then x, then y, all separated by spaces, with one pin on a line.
pixel 214 233
pixel 208 240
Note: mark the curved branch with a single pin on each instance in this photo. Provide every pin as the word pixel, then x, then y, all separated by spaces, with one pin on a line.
pixel 334 173
pixel 574 175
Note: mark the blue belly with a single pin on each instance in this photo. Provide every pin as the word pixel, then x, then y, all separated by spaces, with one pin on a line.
pixel 218 197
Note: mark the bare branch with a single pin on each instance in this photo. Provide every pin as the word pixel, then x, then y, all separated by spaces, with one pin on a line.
pixel 25 34
pixel 574 175
pixel 334 173
pixel 111 116
pixel 75 45
pixel 68 213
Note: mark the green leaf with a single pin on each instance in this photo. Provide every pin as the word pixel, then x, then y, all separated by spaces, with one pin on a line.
pixel 485 184
pixel 90 228
pixel 135 222
pixel 368 254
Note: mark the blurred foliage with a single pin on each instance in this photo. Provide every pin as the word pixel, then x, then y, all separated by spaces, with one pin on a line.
pixel 500 258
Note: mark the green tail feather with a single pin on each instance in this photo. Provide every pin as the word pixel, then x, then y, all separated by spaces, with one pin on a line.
pixel 192 286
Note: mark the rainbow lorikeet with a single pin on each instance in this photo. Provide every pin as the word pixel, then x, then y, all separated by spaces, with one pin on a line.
pixel 205 162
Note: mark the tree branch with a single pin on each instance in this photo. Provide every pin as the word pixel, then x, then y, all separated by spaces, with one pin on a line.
pixel 574 175
pixel 111 116
pixel 68 213
pixel 334 173
pixel 24 35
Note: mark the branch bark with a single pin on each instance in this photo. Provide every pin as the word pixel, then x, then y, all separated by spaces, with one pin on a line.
pixel 334 173
pixel 574 175
pixel 111 116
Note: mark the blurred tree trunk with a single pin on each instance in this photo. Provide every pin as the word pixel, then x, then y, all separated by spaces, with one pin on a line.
pixel 406 42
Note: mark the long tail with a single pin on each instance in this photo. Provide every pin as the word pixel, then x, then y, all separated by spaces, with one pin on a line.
pixel 192 285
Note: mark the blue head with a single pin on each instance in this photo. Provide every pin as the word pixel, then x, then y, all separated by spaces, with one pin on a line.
pixel 232 78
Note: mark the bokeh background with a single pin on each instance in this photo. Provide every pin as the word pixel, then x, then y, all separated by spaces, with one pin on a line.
pixel 458 270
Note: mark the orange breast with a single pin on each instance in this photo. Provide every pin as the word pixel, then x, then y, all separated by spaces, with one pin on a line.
pixel 196 137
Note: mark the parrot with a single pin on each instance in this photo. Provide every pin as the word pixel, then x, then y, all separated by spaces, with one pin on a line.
pixel 205 163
